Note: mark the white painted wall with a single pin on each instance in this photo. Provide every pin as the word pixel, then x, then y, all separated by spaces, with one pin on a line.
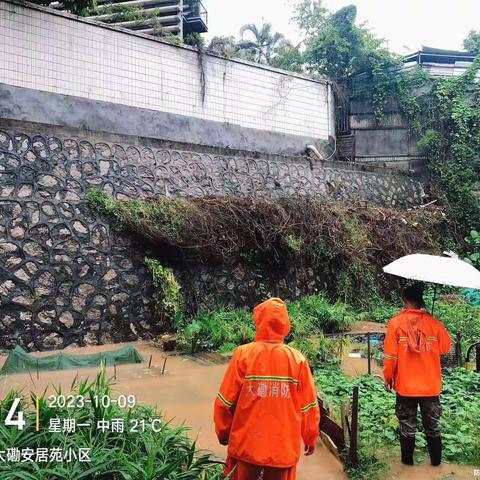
pixel 49 51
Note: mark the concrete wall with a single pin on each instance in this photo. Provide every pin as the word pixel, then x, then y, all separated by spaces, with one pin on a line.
pixel 386 141
pixel 48 51
pixel 25 104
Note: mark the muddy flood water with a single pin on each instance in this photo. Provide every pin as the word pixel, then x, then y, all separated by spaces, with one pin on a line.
pixel 185 393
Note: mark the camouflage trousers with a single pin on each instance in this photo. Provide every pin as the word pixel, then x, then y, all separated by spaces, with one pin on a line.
pixel 430 409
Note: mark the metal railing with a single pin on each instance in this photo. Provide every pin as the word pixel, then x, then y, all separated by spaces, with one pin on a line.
pixel 198 10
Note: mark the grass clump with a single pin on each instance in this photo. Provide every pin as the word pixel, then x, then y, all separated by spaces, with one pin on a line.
pixel 224 330
pixel 127 455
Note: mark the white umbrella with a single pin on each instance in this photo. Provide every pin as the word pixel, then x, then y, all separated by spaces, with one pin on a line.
pixel 434 269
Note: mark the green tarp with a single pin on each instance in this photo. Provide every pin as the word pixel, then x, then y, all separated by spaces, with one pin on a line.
pixel 19 361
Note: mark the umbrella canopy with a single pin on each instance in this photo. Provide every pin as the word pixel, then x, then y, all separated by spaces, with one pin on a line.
pixel 430 268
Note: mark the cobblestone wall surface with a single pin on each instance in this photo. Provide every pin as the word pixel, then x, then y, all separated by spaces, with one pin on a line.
pixel 65 278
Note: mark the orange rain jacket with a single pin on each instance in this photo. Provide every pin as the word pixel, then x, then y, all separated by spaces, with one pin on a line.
pixel 267 401
pixel 413 345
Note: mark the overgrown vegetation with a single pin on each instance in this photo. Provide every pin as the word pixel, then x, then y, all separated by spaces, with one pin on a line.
pixel 346 245
pixel 115 455
pixel 450 137
pixel 472 42
pixel 473 248
pixel 460 318
pixel 310 317
pixel 378 423
pixel 443 113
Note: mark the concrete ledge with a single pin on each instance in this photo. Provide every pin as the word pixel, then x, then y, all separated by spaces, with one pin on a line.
pixel 24 104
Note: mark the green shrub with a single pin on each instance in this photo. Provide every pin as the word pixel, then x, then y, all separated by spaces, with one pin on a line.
pixel 461 318
pixel 193 335
pixel 211 330
pixel 381 313
pixel 316 312
pixel 321 350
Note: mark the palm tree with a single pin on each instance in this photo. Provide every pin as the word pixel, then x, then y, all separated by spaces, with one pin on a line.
pixel 263 46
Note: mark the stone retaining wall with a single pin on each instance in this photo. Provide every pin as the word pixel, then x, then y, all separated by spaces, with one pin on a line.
pixel 65 278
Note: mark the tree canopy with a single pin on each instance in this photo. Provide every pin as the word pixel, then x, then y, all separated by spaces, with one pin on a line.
pixel 334 46
pixel 472 42
pixel 77 7
pixel 263 44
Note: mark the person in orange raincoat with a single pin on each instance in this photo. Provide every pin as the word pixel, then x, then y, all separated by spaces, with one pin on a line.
pixel 413 345
pixel 267 402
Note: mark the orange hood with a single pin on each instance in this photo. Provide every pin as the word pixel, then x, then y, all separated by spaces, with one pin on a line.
pixel 271 320
pixel 410 321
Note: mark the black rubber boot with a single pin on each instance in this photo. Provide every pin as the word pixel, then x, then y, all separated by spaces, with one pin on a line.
pixel 407 446
pixel 435 450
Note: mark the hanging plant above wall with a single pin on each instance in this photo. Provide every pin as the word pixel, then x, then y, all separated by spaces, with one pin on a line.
pixel 168 301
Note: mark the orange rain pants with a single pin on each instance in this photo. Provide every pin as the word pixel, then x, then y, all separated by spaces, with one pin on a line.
pixel 247 471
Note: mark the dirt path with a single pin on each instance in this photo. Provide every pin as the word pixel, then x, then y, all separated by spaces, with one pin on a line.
pixel 186 393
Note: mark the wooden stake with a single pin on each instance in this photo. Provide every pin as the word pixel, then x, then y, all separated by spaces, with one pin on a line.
pixel 164 364
pixel 369 354
pixel 353 453
pixel 150 361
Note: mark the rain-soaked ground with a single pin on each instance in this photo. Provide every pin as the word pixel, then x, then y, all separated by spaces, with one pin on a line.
pixel 186 392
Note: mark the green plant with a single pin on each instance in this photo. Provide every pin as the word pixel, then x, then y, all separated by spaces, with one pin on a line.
pixel 461 318
pixel 168 301
pixel 169 37
pixel 472 42
pixel 264 43
pixel 293 243
pixel 310 316
pixel 193 335
pixel 227 347
pixel 194 40
pixel 381 313
pixel 315 311
pixel 117 455
pixel 473 242
pixel 320 350
pixel 102 204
